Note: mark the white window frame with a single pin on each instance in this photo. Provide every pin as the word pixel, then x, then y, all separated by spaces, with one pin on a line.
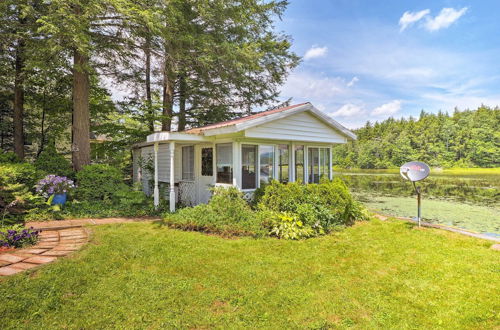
pixel 306 160
pixel 257 168
pixel 275 159
pixel 215 164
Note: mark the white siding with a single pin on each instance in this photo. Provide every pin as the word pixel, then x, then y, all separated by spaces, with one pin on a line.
pixel 135 164
pixel 163 163
pixel 300 127
pixel 146 154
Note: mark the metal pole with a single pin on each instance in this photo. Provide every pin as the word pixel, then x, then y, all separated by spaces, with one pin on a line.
pixel 418 202
pixel 417 190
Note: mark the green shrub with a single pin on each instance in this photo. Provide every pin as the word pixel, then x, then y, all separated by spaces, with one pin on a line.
pixel 288 226
pixel 16 186
pixel 8 157
pixel 321 207
pixel 227 214
pixel 128 197
pixel 91 209
pixel 98 182
pixel 51 162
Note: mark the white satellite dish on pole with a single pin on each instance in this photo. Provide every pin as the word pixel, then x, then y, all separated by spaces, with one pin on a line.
pixel 415 171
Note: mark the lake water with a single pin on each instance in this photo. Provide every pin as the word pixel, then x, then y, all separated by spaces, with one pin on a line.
pixel 466 199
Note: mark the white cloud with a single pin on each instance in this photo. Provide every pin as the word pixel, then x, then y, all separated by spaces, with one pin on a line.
pixel 410 18
pixel 353 81
pixel 315 52
pixel 313 86
pixel 387 109
pixel 349 110
pixel 446 17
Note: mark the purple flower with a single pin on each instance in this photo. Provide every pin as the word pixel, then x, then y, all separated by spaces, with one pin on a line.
pixel 53 184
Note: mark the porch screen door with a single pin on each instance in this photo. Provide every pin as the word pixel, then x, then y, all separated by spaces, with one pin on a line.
pixel 205 171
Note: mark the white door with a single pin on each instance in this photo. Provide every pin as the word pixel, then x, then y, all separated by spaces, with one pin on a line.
pixel 205 171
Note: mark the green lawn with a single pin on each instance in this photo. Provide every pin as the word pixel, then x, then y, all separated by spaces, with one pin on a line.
pixel 373 275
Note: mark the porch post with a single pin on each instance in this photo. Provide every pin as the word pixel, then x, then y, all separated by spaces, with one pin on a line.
pixel 156 191
pixel 330 165
pixel 306 164
pixel 291 166
pixel 171 150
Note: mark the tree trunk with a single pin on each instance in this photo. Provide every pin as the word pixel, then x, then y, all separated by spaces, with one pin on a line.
pixel 19 101
pixel 81 116
pixel 149 102
pixel 182 103
pixel 168 97
pixel 42 128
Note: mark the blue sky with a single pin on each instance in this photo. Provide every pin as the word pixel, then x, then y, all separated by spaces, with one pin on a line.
pixel 369 60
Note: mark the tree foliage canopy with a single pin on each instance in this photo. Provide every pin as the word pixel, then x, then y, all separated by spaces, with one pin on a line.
pixel 468 138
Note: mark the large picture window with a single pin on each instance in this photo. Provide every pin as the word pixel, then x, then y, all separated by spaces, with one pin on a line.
pixel 319 163
pixel 299 163
pixel 266 158
pixel 283 160
pixel 188 163
pixel 224 162
pixel 248 166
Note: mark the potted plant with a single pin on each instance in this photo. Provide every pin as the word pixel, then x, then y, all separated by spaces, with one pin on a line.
pixel 55 188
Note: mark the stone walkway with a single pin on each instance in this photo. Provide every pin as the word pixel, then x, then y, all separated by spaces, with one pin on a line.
pixel 57 239
pixel 53 244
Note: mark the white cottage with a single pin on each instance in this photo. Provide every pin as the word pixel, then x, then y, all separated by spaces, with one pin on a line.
pixel 287 144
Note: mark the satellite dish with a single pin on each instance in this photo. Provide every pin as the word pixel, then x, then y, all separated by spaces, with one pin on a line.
pixel 414 171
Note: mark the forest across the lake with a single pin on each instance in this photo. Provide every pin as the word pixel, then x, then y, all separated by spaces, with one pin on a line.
pixel 469 138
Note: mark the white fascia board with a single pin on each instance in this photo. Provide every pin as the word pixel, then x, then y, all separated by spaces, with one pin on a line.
pixel 175 136
pixel 221 130
pixel 280 139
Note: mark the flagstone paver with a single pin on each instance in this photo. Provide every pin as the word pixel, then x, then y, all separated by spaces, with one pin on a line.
pixel 57 239
pixel 52 245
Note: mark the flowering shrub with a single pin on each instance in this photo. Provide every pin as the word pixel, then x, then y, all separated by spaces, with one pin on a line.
pixel 17 236
pixel 53 184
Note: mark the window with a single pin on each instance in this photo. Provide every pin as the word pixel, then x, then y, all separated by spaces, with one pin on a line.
pixel 299 163
pixel 319 163
pixel 266 157
pixel 207 161
pixel 283 159
pixel 224 155
pixel 324 158
pixel 188 163
pixel 248 166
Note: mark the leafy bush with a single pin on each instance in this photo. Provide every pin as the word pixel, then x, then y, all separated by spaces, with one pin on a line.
pixel 319 207
pixel 16 198
pixel 16 236
pixel 227 213
pixel 8 157
pixel 91 209
pixel 52 162
pixel 288 226
pixel 98 182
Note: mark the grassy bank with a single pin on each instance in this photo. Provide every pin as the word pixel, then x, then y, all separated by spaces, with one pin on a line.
pixel 373 275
